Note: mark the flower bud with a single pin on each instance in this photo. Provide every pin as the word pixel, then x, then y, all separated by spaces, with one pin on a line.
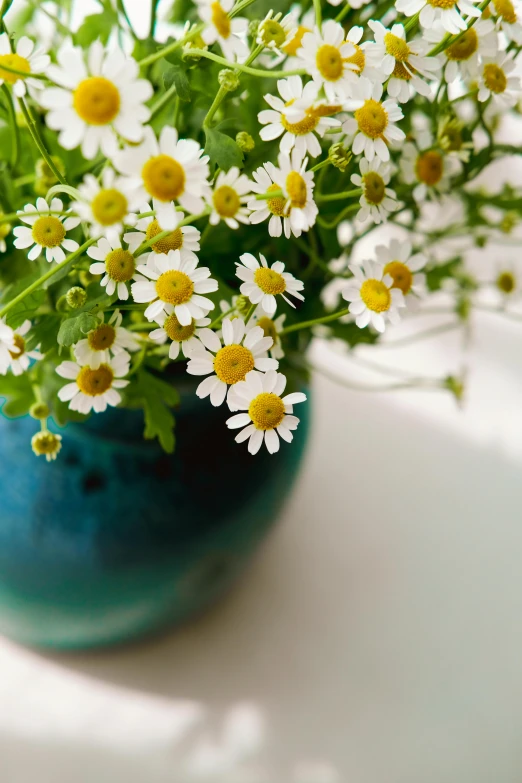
pixel 46 443
pixel 245 142
pixel 76 297
pixel 228 79
pixel 39 410
pixel 339 156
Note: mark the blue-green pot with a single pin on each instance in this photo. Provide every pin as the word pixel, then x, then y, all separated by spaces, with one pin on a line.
pixel 117 539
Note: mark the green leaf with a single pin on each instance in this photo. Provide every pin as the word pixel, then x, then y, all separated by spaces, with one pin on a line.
pixel 222 150
pixel 157 396
pixel 177 74
pixel 74 329
pixel 18 393
pixel 97 27
pixel 27 307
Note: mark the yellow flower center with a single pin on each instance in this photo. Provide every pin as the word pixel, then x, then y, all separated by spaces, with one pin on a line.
pixel 358 59
pixel 374 188
pixel 164 178
pixel 276 205
pixel 464 47
pixel 443 3
pixel 401 72
pixel 494 78
pixel 401 274
pixel 329 62
pixel 232 363
pixel 109 207
pixel 220 20
pixel 304 126
pixel 372 119
pixel 95 382
pixel 226 201
pixel 173 241
pixel 376 295
pixel 20 346
pixel 16 62
pixel 296 42
pixel 48 232
pixel 267 411
pixel 272 32
pixel 397 47
pixel 96 100
pixel 174 287
pixel 506 282
pixel 296 189
pixel 101 338
pixel 429 167
pixel 268 327
pixel 176 331
pixel 120 265
pixel 269 282
pixel 506 10
pixel 46 443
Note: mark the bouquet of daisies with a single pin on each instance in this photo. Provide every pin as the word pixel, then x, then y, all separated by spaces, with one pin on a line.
pixel 185 199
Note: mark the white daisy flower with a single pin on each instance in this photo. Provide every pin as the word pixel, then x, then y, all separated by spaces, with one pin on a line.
pixel 48 443
pixel 262 283
pixel 403 62
pixel 496 82
pixel 295 41
pixel 273 209
pixel 229 196
pixel 183 338
pixel 276 30
pixel 106 206
pixel 8 347
pixel 403 267
pixel 21 357
pixel 373 124
pixel 365 67
pixel 168 169
pixel 183 238
pixel 297 117
pixel 106 340
pixel 429 169
pixel 464 55
pixel 271 328
pixel 100 98
pixel 371 296
pixel 116 264
pixel 326 56
pixel 377 200
pixel 268 415
pixel 297 185
pixel 93 389
pixel 508 17
pixel 229 33
pixel 26 59
pixel 46 230
pixel 450 12
pixel 228 360
pixel 175 286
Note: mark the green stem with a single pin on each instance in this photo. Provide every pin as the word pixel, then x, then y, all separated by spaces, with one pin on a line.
pixel 339 196
pixel 321 165
pixel 121 7
pixel 152 58
pixel 318 14
pixel 24 74
pixel 48 275
pixel 220 318
pixel 335 222
pixel 153 14
pixel 272 194
pixel 33 130
pixel 244 68
pixel 223 91
pixel 15 136
pixel 141 327
pixel 162 101
pixel 240 7
pixel 250 313
pixel 308 324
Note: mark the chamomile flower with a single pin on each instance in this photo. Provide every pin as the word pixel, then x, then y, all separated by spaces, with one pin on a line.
pixel 295 41
pixel 5 230
pixel 168 170
pixel 106 340
pixel 372 299
pixel 8 347
pixel 222 29
pixel 377 200
pixel 364 66
pixel 297 117
pixel 496 82
pixel 175 286
pixel 182 238
pixel 508 17
pixel 404 62
pixel 21 357
pixel 116 264
pixel 47 230
pixel 276 30
pixel 464 55
pixel 428 168
pixel 373 124
pixel 26 60
pixel 100 97
pixel 326 56
pixel 403 267
pixel 273 209
pixel 450 12
pixel 297 185
pixel 262 283
pixel 450 138
pixel 93 389
pixel 268 416
pixel 272 327
pixel 183 338
pixel 227 360
pixel 231 191
pixel 46 443
pixel 108 205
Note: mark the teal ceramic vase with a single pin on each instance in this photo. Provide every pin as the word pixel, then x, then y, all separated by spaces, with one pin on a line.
pixel 117 539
